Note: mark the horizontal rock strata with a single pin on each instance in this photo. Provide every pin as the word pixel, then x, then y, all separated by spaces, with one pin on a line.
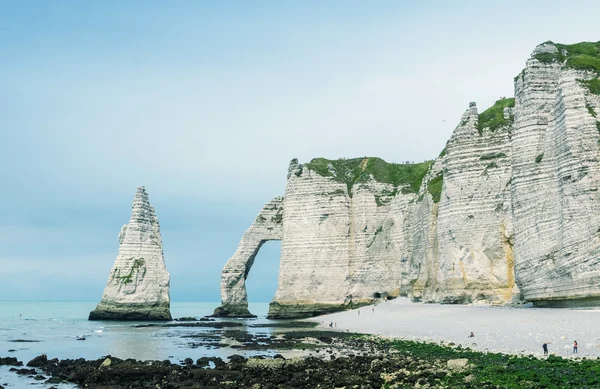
pixel 138 284
pixel 266 227
pixel 506 213
pixel 556 176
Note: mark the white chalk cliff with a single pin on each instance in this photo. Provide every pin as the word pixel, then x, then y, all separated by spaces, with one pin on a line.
pixel 267 226
pixel 508 212
pixel 138 284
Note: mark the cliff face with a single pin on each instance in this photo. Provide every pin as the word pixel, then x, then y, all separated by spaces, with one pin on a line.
pixel 342 235
pixel 505 213
pixel 138 284
pixel 556 175
pixel 267 226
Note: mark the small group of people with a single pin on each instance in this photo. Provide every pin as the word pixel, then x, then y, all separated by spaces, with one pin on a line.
pixel 332 324
pixel 545 347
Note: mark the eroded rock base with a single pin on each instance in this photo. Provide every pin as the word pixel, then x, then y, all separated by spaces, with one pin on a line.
pixel 302 310
pixel 230 310
pixel 156 312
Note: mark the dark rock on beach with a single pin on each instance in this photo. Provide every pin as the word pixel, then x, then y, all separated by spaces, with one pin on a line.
pixel 10 361
pixel 215 324
pixel 24 371
pixel 24 341
pixel 38 361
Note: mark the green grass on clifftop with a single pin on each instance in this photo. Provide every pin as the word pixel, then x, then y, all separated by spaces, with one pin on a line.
pixel 406 177
pixel 584 55
pixel 493 117
pixel 581 56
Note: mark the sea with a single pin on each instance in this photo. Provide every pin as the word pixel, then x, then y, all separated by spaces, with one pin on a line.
pixel 28 329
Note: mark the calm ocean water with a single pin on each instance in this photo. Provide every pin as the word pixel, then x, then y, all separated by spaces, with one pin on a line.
pixel 52 328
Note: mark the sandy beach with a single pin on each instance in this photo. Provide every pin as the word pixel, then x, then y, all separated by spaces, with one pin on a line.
pixel 509 330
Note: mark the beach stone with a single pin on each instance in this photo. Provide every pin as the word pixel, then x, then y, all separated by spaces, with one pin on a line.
pixel 106 363
pixel 10 361
pixel 186 319
pixel 457 365
pixel 138 284
pixel 202 362
pixel 38 361
pixel 24 371
pixel 256 363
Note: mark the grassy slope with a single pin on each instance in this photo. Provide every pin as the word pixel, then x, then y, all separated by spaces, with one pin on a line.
pixel 493 117
pixel 581 56
pixel 406 177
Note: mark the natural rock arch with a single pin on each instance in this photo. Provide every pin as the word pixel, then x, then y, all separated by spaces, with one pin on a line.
pixel 266 227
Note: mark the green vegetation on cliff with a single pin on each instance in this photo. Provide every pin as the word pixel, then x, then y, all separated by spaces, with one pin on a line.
pixel 539 158
pixel 493 117
pixel 584 55
pixel 434 187
pixel 580 56
pixel 407 177
pixel 137 265
pixel 593 85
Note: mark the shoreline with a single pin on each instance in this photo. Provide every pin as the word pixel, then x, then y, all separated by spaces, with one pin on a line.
pixel 507 330
pixel 363 361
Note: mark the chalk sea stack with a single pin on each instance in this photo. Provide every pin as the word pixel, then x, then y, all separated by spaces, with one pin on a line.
pixel 508 212
pixel 138 284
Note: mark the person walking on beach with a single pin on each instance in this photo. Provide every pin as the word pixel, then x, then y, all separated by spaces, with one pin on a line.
pixel 545 347
pixel 472 335
pixel 575 347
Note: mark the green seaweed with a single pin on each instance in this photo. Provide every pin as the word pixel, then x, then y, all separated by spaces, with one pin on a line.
pixel 495 370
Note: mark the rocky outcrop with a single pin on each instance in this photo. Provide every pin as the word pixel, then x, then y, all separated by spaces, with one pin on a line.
pixel 138 284
pixel 505 213
pixel 342 234
pixel 472 258
pixel 556 175
pixel 266 227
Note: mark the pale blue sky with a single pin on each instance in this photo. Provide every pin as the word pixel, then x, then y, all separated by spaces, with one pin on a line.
pixel 205 103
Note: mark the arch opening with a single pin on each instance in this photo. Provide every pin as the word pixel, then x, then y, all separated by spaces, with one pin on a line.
pixel 262 278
